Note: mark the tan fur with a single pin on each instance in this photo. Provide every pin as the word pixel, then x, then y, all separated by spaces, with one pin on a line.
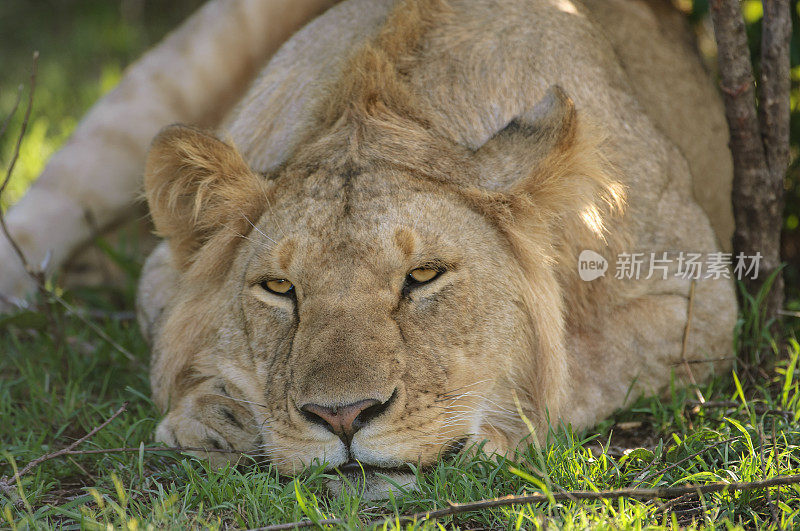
pixel 196 187
pixel 423 143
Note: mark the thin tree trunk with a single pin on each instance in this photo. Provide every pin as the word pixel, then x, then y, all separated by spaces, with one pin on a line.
pixel 759 140
pixel 774 112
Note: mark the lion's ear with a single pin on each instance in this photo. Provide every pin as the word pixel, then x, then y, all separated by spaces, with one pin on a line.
pixel 546 161
pixel 197 186
pixel 515 152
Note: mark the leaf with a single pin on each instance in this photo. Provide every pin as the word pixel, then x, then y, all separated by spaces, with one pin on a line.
pixel 638 453
pixel 736 424
pixel 740 392
pixel 789 376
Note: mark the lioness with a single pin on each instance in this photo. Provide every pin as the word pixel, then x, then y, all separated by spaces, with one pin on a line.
pixel 375 260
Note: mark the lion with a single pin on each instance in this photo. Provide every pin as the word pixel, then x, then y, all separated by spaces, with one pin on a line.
pixel 373 261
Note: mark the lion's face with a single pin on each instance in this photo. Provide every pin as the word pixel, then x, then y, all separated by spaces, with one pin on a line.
pixel 376 323
pixel 376 313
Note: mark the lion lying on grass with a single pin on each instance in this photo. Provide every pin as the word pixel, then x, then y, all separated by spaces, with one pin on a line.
pixel 376 260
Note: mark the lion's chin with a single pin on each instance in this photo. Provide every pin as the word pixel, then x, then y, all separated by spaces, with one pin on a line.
pixel 372 483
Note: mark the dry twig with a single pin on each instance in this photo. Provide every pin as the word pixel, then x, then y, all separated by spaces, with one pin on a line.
pixel 134 449
pixel 7 487
pixel 505 501
pixel 685 343
pixel 13 111
pixel 13 163
pixel 36 462
pixel 5 484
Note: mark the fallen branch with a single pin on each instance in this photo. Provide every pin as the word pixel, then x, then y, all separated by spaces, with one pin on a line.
pixel 7 486
pixel 134 449
pixel 30 466
pixel 505 501
pixel 5 483
pixel 12 113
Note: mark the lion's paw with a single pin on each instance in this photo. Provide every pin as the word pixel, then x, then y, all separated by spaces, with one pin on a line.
pixel 215 427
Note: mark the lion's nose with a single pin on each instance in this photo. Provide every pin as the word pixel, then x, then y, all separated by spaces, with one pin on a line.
pixel 345 420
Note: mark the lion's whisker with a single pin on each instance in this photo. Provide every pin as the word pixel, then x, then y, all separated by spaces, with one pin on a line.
pixel 256 228
pixel 260 244
pixel 473 384
pixel 243 401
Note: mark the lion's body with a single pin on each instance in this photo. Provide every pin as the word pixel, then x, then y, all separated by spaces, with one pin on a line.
pixel 387 137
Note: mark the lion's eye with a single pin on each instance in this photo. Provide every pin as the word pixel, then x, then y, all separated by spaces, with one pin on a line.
pixel 280 286
pixel 423 275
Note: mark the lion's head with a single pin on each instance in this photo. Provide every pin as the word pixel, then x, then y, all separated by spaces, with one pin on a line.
pixel 385 296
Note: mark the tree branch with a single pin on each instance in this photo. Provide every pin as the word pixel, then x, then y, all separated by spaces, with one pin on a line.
pixel 505 501
pixel 14 157
pixel 12 113
pixel 5 484
pixel 36 462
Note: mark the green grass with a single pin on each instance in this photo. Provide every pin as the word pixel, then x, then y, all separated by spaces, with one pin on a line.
pixel 58 380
